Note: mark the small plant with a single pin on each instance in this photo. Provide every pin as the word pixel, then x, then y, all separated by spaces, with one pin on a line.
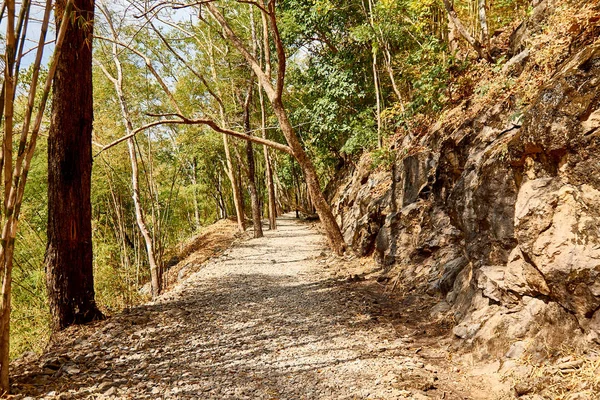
pixel 482 90
pixel 382 158
pixel 499 64
pixel 503 157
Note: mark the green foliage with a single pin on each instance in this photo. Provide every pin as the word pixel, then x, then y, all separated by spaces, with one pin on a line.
pixel 382 158
pixel 363 136
pixel 428 67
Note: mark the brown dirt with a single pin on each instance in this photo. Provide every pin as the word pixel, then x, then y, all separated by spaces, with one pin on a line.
pixel 270 318
pixel 212 241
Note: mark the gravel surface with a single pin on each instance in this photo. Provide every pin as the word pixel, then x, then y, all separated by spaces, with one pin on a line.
pixel 265 320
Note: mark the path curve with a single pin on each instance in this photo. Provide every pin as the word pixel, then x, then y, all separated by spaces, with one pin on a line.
pixel 263 321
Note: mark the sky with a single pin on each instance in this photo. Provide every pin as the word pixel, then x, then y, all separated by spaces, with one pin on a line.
pixel 37 12
pixel 33 33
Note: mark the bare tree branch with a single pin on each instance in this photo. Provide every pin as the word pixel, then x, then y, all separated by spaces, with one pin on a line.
pixel 181 120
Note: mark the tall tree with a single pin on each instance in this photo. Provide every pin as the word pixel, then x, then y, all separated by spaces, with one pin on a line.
pixel 69 273
pixel 251 169
pixel 117 81
pixel 275 96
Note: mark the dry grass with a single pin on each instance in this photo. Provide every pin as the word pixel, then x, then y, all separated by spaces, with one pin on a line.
pixel 575 371
pixel 212 241
pixel 572 25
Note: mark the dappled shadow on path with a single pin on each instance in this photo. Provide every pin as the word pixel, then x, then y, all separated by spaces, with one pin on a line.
pixel 225 337
pixel 264 321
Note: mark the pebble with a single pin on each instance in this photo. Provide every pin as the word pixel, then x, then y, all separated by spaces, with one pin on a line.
pixel 244 327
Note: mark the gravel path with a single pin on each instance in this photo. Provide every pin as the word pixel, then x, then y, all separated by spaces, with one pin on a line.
pixel 265 320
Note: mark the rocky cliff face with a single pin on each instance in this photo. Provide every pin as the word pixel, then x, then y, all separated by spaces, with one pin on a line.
pixel 497 211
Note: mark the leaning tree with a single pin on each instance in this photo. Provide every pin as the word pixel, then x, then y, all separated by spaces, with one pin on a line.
pixel 271 77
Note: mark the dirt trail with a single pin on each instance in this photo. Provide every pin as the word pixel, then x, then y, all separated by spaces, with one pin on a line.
pixel 265 320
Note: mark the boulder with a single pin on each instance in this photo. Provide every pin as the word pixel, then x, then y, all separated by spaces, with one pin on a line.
pixel 554 224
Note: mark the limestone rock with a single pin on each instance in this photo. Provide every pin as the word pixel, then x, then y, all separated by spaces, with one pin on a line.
pixel 554 226
pixel 439 309
pixel 449 273
pixel 522 278
pixel 501 223
pixel 591 123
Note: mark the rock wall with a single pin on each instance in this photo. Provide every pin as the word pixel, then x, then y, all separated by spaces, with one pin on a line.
pixel 497 215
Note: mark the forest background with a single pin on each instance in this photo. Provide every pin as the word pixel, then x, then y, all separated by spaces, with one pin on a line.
pixel 360 74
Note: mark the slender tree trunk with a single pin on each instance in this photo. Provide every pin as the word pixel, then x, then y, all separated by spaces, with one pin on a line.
pixel 390 70
pixel 222 203
pixel 69 268
pixel 139 217
pixel 195 194
pixel 296 185
pixel 376 79
pixel 485 34
pixel 268 166
pixel 377 99
pixel 256 216
pixel 6 261
pixel 453 36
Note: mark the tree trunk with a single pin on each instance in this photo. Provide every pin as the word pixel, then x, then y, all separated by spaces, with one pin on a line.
pixel 485 34
pixel 195 194
pixel 481 50
pixel 69 273
pixel 453 36
pixel 6 260
pixel 256 215
pixel 268 167
pixel 155 273
pixel 377 99
pixel 376 79
pixel 390 70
